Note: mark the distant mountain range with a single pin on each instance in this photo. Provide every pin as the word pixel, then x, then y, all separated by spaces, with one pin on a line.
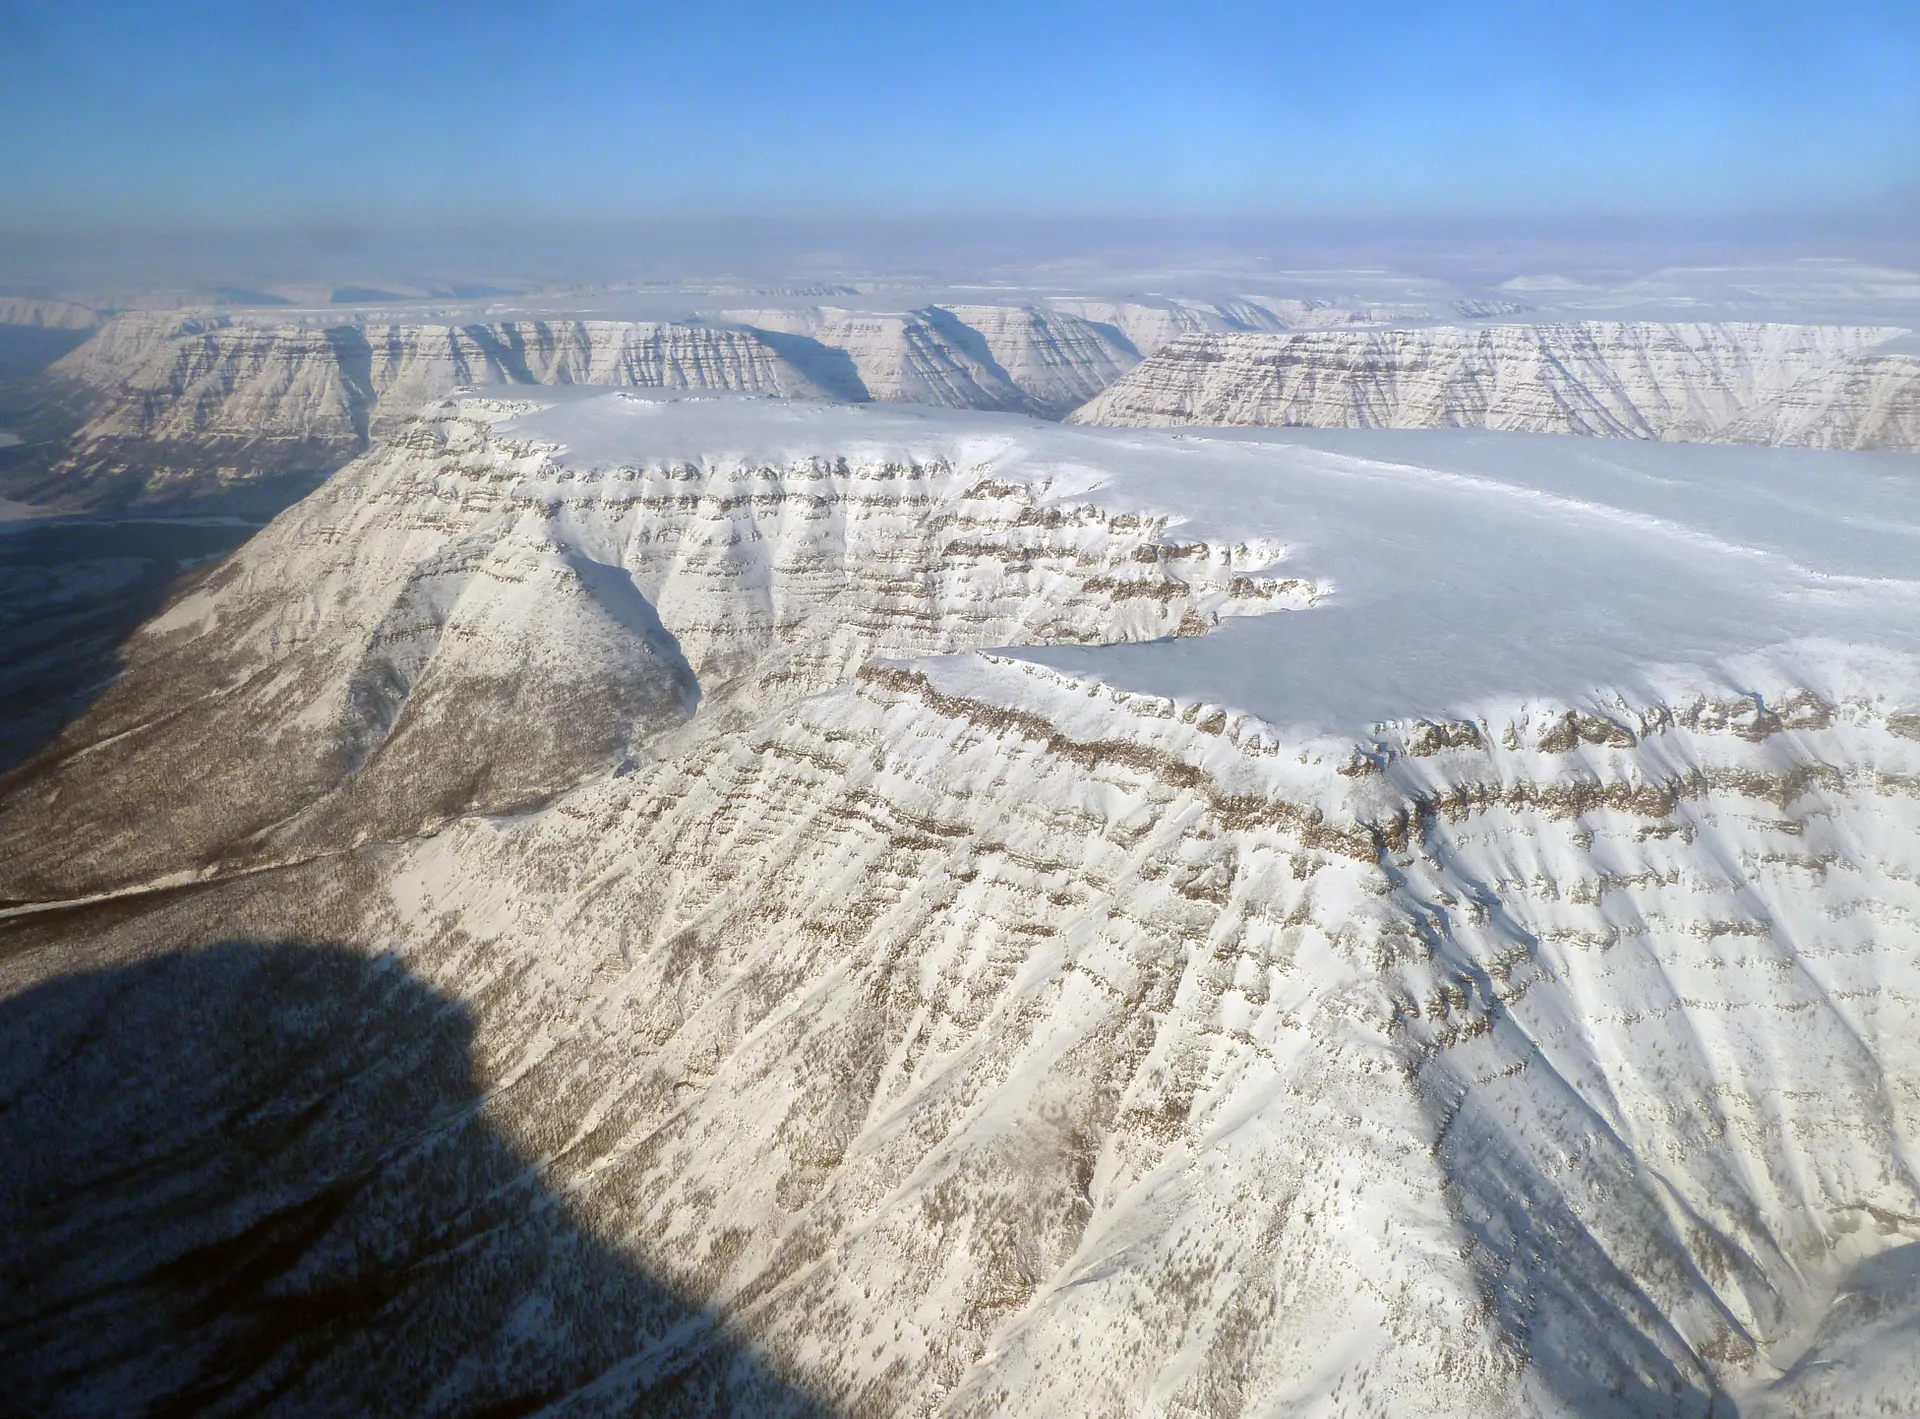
pixel 159 406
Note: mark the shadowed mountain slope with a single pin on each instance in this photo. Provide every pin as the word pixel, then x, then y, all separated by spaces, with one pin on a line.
pixel 263 1179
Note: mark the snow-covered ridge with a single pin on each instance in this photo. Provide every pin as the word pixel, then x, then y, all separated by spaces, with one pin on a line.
pixel 166 405
pixel 1817 386
pixel 391 608
pixel 164 380
pixel 164 377
pixel 1472 970
pixel 163 405
pixel 48 314
pixel 1019 358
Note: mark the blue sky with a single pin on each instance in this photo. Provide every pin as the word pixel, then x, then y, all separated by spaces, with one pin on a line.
pixel 228 114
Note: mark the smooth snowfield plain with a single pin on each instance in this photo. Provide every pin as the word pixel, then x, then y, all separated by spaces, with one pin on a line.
pixel 1460 956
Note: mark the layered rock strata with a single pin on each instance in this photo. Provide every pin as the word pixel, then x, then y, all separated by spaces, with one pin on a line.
pixel 1809 385
pixel 167 407
pixel 461 583
pixel 1017 358
pixel 930 1032
pixel 1057 360
pixel 160 406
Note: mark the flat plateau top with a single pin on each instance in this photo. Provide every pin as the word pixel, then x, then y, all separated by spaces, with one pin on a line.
pixel 1466 570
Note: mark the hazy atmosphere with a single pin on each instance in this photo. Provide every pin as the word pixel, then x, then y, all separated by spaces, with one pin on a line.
pixel 485 135
pixel 877 712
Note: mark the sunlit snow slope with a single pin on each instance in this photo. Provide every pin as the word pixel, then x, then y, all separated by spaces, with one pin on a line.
pixel 1460 957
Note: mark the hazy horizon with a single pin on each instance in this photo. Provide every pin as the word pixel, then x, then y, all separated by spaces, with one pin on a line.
pixel 172 138
pixel 1107 254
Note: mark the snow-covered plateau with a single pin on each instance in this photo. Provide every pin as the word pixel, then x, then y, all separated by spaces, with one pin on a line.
pixel 165 405
pixel 169 406
pixel 929 912
pixel 1835 386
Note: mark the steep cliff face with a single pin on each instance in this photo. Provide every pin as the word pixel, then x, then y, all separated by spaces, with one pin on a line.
pixel 1093 1053
pixel 47 314
pixel 395 605
pixel 1058 360
pixel 1017 358
pixel 1742 383
pixel 1145 326
pixel 161 378
pixel 1869 401
pixel 1148 325
pixel 920 357
pixel 159 405
pixel 162 406
pixel 169 407
pixel 966 1035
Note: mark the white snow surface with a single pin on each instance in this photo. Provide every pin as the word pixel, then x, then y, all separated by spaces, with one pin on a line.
pixel 1551 1061
pixel 1458 569
pixel 1470 968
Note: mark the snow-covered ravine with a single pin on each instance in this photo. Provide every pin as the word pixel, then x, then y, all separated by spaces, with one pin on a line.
pixel 1460 957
